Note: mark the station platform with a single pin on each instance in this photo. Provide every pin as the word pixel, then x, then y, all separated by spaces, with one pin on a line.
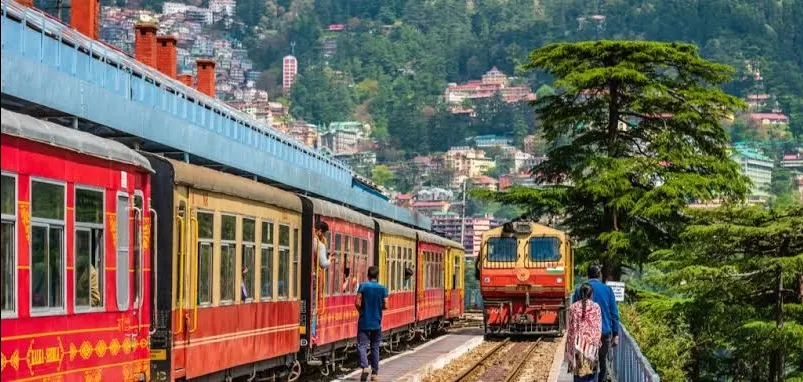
pixel 413 365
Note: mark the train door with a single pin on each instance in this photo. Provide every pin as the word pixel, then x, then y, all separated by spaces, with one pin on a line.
pixel 181 240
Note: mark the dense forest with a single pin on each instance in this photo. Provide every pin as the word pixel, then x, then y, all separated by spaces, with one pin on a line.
pixel 394 59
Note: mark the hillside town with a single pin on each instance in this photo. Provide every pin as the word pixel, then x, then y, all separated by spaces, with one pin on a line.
pixel 441 179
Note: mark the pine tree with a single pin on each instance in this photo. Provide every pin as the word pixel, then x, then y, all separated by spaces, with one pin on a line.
pixel 635 134
pixel 734 276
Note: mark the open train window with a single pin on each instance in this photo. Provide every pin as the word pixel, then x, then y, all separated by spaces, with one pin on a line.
pixel 502 249
pixel 544 249
pixel 249 260
pixel 89 243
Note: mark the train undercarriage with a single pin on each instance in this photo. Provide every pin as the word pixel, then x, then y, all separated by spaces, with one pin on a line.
pixel 506 316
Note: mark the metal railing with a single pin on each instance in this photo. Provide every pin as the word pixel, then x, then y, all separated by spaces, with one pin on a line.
pixel 628 364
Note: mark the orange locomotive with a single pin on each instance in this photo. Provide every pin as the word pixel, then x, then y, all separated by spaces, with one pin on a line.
pixel 525 275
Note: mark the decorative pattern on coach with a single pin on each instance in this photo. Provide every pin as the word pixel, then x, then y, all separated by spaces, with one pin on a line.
pixel 75 255
pixel 525 274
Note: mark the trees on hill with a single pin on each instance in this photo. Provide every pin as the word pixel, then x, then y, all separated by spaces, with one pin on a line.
pixel 635 132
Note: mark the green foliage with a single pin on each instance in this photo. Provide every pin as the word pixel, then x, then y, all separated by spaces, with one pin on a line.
pixel 635 131
pixel 309 97
pixel 663 338
pixel 734 268
pixel 382 175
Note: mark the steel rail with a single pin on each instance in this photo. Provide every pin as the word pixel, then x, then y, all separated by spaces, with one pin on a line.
pixel 520 365
pixel 466 372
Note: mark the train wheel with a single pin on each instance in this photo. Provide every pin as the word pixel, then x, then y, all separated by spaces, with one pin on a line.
pixel 295 372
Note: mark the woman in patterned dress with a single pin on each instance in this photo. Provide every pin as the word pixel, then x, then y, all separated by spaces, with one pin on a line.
pixel 583 337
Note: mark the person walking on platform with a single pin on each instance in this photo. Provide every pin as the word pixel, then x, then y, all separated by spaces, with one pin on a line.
pixel 603 296
pixel 372 299
pixel 584 336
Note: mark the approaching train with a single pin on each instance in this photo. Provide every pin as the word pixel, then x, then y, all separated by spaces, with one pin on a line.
pixel 525 274
pixel 127 266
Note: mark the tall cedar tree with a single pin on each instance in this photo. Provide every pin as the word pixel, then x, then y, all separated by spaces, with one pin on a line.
pixel 735 277
pixel 635 133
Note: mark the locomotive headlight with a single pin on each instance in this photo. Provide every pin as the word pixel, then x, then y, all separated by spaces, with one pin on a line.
pixel 560 280
pixel 486 280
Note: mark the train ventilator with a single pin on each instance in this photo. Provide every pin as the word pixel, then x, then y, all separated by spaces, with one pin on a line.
pixel 525 275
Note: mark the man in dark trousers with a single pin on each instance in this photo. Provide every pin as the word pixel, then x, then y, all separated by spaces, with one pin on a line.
pixel 604 297
pixel 372 299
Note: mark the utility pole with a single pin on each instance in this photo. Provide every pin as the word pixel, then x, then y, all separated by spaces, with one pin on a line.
pixel 463 216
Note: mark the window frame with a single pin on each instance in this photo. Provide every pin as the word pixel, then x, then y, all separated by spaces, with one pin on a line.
pixel 272 248
pixel 13 219
pixel 211 243
pixel 46 222
pixel 138 250
pixel 295 261
pixel 253 244
pixel 233 243
pixel 279 246
pixel 128 250
pixel 101 272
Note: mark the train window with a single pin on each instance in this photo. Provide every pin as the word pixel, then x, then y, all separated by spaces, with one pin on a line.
pixel 89 264
pixel 296 265
pixel 392 267
pixel 47 246
pixel 356 267
pixel 455 271
pixel 206 229
pixel 346 264
pixel 335 266
pixel 8 243
pixel 544 249
pixel 284 260
pixel 399 268
pixel 227 257
pixel 384 273
pixel 266 261
pixel 138 216
pixel 501 249
pixel 122 251
pixel 248 263
pixel 365 247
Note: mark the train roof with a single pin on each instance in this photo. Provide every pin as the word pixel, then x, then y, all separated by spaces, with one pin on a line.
pixel 395 229
pixel 435 239
pixel 332 210
pixel 30 128
pixel 216 181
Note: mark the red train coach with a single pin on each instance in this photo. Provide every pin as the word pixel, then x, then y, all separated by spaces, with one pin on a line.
pixel 227 277
pixel 75 226
pixel 329 320
pixel 396 259
pixel 430 301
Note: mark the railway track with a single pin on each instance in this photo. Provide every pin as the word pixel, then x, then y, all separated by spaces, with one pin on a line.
pixel 504 362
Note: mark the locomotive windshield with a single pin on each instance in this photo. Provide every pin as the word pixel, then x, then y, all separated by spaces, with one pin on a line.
pixel 544 249
pixel 502 249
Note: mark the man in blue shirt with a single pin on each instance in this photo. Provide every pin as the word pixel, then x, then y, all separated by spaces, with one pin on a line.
pixel 372 299
pixel 603 296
